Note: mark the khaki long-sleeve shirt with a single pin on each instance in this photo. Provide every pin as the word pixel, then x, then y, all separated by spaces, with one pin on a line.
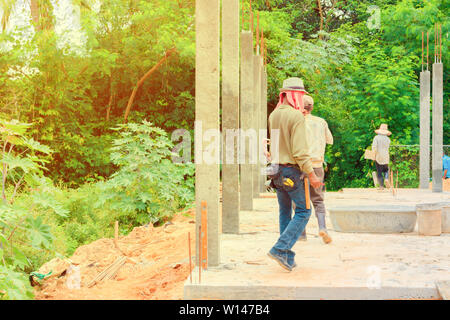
pixel 319 135
pixel 292 143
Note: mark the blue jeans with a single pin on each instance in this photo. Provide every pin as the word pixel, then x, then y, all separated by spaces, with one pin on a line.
pixel 290 227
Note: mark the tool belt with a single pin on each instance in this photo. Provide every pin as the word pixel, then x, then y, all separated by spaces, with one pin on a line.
pixel 273 173
pixel 289 165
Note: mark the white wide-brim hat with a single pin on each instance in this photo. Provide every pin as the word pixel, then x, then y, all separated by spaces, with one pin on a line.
pixel 383 130
pixel 293 84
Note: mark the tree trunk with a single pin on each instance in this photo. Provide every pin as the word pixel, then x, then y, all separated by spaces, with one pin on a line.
pixel 108 109
pixel 139 83
pixel 321 17
pixel 34 6
pixel 41 14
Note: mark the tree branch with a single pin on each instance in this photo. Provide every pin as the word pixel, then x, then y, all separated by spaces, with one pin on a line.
pixel 139 83
pixel 4 173
pixel 16 187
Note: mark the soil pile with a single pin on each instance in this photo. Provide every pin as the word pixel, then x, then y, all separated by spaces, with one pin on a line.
pixel 156 266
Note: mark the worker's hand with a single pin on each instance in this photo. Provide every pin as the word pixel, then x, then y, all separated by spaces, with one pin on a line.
pixel 267 154
pixel 314 181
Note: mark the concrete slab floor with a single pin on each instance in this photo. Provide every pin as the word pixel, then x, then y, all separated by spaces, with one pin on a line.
pixel 353 266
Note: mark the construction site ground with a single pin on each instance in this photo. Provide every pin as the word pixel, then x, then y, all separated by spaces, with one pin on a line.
pixel 157 265
pixel 353 266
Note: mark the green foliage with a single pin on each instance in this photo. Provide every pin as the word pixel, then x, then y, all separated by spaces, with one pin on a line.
pixel 405 164
pixel 74 94
pixel 14 285
pixel 149 186
pixel 359 78
pixel 20 227
pixel 20 160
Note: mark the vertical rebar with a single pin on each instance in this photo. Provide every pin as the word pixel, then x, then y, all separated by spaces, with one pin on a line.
pixel 257 33
pixel 422 51
pixel 396 184
pixel 440 42
pixel 243 14
pixel 251 17
pixel 190 257
pixel 200 254
pixel 428 37
pixel 435 43
pixel 262 44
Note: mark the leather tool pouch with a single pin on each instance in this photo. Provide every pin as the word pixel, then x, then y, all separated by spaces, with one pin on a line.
pixel 273 173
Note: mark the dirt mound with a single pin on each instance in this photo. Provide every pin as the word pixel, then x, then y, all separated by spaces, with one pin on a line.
pixel 156 267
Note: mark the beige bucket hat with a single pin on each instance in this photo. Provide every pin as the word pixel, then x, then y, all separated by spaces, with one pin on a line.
pixel 383 130
pixel 293 84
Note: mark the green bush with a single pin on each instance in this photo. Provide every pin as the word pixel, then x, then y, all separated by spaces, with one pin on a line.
pixel 149 186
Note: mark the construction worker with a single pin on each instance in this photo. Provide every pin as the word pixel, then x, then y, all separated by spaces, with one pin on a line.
pixel 445 166
pixel 319 135
pixel 294 163
pixel 380 146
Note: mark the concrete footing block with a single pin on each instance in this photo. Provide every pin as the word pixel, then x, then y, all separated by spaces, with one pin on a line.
pixel 373 219
pixel 429 219
pixel 443 288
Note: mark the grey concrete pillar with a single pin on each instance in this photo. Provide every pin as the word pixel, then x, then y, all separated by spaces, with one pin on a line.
pixel 437 136
pixel 230 116
pixel 207 64
pixel 257 120
pixel 263 120
pixel 424 175
pixel 246 108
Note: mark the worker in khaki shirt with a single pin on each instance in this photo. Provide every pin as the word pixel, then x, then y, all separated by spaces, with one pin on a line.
pixel 294 164
pixel 319 135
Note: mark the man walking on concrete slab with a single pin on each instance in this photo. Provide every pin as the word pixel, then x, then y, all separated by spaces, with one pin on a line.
pixel 294 163
pixel 380 146
pixel 319 135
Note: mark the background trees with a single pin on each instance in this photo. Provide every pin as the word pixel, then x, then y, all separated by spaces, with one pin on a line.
pixel 73 95
pixel 359 76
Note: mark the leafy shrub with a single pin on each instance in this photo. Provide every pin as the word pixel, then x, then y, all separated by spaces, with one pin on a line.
pixel 149 186
pixel 21 228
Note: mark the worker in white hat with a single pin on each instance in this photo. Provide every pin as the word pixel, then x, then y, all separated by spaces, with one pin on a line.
pixel 294 162
pixel 380 146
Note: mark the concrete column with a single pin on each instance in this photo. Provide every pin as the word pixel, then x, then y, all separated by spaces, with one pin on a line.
pixel 207 17
pixel 230 115
pixel 256 120
pixel 437 137
pixel 424 175
pixel 246 108
pixel 263 120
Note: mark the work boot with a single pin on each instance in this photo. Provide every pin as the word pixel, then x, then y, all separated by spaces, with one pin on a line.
pixel 325 237
pixel 280 259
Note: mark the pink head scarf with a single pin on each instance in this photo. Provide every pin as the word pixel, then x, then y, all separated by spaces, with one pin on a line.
pixel 294 99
